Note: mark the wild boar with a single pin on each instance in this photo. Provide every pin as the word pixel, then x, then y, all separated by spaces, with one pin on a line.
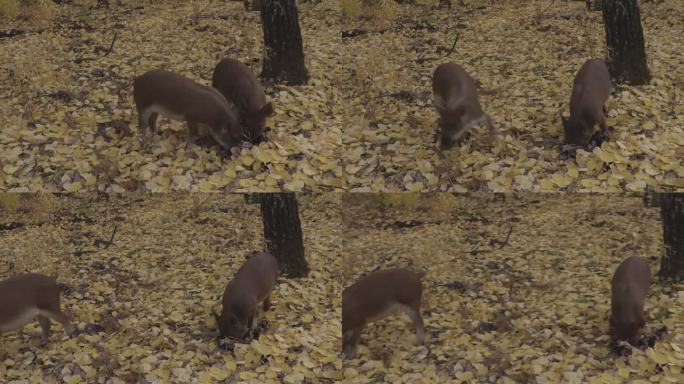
pixel 29 296
pixel 249 289
pixel 457 103
pixel 629 290
pixel 239 85
pixel 179 98
pixel 376 296
pixel 590 90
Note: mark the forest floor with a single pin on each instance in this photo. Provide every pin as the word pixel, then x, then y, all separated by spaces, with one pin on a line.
pixel 525 55
pixel 69 122
pixel 142 303
pixel 516 291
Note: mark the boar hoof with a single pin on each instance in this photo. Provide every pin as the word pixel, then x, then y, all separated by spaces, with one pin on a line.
pixel 225 344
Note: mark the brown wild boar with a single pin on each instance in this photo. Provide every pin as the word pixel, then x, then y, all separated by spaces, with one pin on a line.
pixel 26 297
pixel 629 289
pixel 179 98
pixel 250 288
pixel 239 84
pixel 590 91
pixel 457 103
pixel 376 296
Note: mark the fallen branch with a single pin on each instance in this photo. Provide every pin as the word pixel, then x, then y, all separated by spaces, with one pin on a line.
pixel 422 59
pixel 502 243
pixel 508 236
pixel 453 46
pixel 111 238
pixel 111 46
pixel 11 33
pixel 107 52
pixel 99 242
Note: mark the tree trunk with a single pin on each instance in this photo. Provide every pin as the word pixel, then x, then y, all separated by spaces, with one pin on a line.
pixel 625 42
pixel 284 58
pixel 283 232
pixel 672 214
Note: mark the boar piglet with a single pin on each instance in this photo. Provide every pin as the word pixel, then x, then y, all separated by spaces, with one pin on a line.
pixel 239 85
pixel 250 289
pixel 457 103
pixel 376 296
pixel 26 297
pixel 629 289
pixel 590 91
pixel 179 98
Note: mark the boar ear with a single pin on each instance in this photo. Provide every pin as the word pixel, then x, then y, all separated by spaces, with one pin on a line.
pixel 267 110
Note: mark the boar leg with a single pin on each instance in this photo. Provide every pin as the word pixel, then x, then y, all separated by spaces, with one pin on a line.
pixel 153 122
pixel 193 133
pixel 602 124
pixel 60 317
pixel 45 327
pixel 252 321
pixel 414 313
pixel 492 129
pixel 350 341
pixel 267 303
pixel 604 127
pixel 143 121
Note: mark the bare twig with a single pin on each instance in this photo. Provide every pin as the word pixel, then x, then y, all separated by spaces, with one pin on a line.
pixel 107 52
pixel 508 236
pixel 502 243
pixel 453 46
pixel 111 46
pixel 423 59
pixel 111 238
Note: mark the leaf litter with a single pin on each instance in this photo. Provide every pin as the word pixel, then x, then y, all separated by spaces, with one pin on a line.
pixel 524 54
pixel 142 305
pixel 516 291
pixel 70 123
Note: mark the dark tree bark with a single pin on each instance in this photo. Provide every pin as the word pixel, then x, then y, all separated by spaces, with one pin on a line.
pixel 625 42
pixel 284 58
pixel 283 232
pixel 672 215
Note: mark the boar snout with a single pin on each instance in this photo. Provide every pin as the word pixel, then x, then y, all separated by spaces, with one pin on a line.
pixel 254 122
pixel 231 326
pixel 626 330
pixel 445 143
pixel 348 344
pixel 224 136
pixel 575 132
pixel 451 136
pixel 256 140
